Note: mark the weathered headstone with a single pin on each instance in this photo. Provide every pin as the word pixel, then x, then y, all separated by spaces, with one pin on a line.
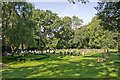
pixel 68 53
pixel 65 53
pixel 61 53
pixel 54 52
pixel 71 53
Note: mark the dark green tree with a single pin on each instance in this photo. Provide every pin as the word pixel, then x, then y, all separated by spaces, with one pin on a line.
pixel 65 33
pixel 81 38
pixel 99 38
pixel 109 13
pixel 47 24
pixel 17 25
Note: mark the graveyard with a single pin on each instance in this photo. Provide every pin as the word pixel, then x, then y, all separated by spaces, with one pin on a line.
pixel 59 40
pixel 62 64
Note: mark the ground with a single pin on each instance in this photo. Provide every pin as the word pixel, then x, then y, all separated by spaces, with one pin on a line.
pixel 65 67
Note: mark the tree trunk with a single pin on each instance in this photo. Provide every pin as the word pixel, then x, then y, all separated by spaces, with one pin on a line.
pixel 22 47
pixel 49 50
pixel 119 50
pixel 118 41
pixel 12 47
pixel 118 47
pixel 106 54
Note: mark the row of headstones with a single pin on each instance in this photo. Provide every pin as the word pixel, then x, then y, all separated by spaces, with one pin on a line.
pixel 72 53
pixel 25 52
pixel 81 51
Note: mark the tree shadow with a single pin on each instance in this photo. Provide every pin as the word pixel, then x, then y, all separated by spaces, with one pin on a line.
pixel 65 68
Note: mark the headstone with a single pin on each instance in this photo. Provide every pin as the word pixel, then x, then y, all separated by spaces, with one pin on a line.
pixel 68 53
pixel 54 52
pixel 17 52
pixel 71 53
pixel 5 53
pixel 65 53
pixel 61 53
pixel 8 54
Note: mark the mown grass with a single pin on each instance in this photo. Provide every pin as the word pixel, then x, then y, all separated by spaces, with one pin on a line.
pixel 65 67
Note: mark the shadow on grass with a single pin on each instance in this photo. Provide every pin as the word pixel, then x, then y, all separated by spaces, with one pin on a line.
pixel 55 67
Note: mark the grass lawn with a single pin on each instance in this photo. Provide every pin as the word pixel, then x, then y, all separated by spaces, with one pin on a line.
pixel 65 67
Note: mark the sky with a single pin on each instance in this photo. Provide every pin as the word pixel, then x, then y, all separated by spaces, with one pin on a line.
pixel 84 11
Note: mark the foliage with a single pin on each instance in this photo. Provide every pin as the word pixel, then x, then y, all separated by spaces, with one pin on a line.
pixel 81 38
pixel 17 24
pixel 109 14
pixel 93 36
pixel 25 27
pixel 47 24
pixel 76 22
pixel 65 33
pixel 99 38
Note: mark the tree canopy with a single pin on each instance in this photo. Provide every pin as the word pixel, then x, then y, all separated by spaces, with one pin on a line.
pixel 25 27
pixel 109 14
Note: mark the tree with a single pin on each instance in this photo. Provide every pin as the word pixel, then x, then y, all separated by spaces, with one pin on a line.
pixel 99 38
pixel 52 43
pixel 109 13
pixel 0 33
pixel 76 22
pixel 82 1
pixel 47 24
pixel 17 25
pixel 81 37
pixel 65 33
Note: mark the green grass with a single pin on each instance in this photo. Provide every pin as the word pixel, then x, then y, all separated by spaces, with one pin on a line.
pixel 66 67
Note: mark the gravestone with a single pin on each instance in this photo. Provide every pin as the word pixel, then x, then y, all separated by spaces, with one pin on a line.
pixel 65 53
pixel 54 52
pixel 61 53
pixel 68 53
pixel 71 53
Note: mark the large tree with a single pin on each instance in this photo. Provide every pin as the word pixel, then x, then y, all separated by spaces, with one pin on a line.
pixel 99 38
pixel 47 24
pixel 81 38
pixel 109 13
pixel 17 25
pixel 65 33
